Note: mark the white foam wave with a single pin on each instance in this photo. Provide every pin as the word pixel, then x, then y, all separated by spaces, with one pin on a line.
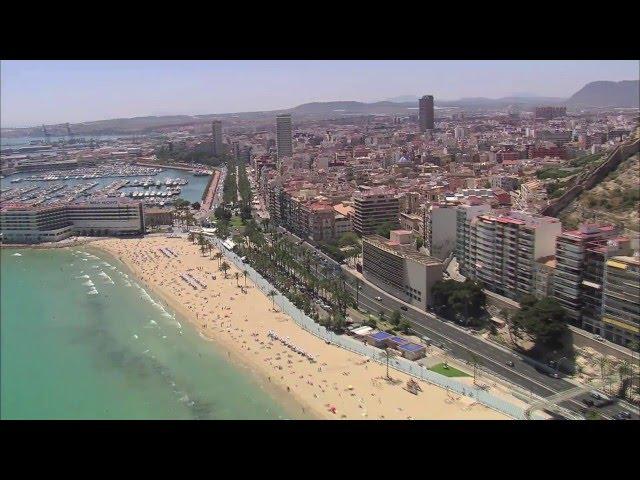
pixel 135 336
pixel 17 254
pixel 93 291
pixel 88 283
pixel 153 322
pixel 83 276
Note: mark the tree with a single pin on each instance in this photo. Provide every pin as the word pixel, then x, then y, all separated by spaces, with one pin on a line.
pixel 405 326
pixel 386 355
pixel 191 237
pixel 395 318
pixel 245 273
pixel 455 300
pixel 237 275
pixel 218 256
pixel 195 205
pixel 419 243
pixel 384 229
pixel 224 266
pixel 625 372
pixel 272 294
pixel 544 320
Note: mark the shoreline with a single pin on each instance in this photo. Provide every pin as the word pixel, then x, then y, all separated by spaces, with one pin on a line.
pixel 354 387
pixel 279 394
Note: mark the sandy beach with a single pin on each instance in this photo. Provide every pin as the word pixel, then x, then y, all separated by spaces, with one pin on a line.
pixel 338 385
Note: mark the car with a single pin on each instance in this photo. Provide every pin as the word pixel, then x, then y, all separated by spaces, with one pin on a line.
pixel 379 298
pixel 404 308
pixel 588 402
pixel 598 338
pixel 359 287
pixel 597 395
pixel 510 364
pixel 554 375
pixel 622 416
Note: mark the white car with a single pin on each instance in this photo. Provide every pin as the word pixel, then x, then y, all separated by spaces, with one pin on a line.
pixel 379 298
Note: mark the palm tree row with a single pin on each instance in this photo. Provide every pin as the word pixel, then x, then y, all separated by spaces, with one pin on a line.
pixel 295 271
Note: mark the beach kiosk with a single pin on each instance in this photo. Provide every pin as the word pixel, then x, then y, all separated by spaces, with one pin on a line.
pixel 412 351
pixel 378 339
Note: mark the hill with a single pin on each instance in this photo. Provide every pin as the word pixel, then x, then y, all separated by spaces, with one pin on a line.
pixel 623 94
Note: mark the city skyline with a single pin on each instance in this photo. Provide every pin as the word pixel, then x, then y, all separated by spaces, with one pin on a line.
pixel 53 92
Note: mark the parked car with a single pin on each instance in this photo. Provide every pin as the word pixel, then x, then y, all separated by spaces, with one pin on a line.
pixel 598 338
pixel 379 298
pixel 510 364
pixel 404 308
pixel 588 402
pixel 622 416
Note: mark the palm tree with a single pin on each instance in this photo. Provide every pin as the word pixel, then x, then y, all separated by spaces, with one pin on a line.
pixel 386 355
pixel 624 371
pixel 272 294
pixel 245 273
pixel 474 361
pixel 191 237
pixel 237 275
pixel 224 267
pixel 218 256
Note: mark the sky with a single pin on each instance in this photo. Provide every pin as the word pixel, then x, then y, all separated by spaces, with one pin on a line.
pixel 52 92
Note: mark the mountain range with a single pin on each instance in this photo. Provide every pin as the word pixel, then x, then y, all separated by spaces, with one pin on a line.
pixel 600 94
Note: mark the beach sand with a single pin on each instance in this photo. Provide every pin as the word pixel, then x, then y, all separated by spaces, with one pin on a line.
pixel 238 320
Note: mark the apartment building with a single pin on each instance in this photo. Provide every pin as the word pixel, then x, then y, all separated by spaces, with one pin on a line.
pixel 395 266
pixel 440 224
pixel 581 257
pixel 52 223
pixel 465 213
pixel 621 300
pixel 372 208
pixel 502 250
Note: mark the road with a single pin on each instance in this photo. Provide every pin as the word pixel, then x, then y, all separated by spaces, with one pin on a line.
pixel 459 343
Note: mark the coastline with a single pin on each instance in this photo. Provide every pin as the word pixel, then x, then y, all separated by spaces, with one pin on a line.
pixel 274 390
pixel 313 388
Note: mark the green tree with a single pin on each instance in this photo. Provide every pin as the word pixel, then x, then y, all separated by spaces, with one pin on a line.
pixel 405 326
pixel 224 266
pixel 386 355
pixel 395 318
pixel 272 294
pixel 544 320
pixel 384 229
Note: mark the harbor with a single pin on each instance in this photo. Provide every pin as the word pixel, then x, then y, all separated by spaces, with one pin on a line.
pixel 151 185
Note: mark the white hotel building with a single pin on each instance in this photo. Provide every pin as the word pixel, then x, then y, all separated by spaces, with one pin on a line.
pixel 20 223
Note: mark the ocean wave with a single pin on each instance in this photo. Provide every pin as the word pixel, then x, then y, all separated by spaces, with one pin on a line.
pixel 93 291
pixel 17 254
pixel 88 283
pixel 135 336
pixel 83 276
pixel 153 322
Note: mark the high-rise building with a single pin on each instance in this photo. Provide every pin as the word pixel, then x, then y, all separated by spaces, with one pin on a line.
pixel 426 113
pixel 284 142
pixel 216 130
pixel 581 256
pixel 621 300
pixel 503 249
pixel 373 208
pixel 440 221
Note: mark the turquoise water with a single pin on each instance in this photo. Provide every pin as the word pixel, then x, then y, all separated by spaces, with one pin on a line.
pixel 80 339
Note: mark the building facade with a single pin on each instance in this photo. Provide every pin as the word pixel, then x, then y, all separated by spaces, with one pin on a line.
pixel 373 208
pixel 621 300
pixel 216 130
pixel 284 142
pixel 395 266
pixel 426 113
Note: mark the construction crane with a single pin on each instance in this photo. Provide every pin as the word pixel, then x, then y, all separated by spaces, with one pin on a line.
pixel 47 136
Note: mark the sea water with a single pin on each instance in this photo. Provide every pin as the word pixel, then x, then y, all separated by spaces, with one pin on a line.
pixel 82 339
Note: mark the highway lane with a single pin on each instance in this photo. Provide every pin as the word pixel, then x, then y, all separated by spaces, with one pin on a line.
pixel 461 343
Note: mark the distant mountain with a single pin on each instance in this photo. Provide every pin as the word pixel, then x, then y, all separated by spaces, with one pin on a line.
pixel 403 99
pixel 607 94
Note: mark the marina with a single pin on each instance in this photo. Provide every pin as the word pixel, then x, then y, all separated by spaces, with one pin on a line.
pixel 153 186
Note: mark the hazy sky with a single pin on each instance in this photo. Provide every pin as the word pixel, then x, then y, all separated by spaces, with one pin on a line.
pixel 36 92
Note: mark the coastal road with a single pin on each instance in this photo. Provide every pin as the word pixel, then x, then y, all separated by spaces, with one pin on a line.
pixel 459 343
pixel 462 344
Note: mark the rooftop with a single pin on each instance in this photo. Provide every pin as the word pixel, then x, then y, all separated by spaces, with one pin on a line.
pixel 404 251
